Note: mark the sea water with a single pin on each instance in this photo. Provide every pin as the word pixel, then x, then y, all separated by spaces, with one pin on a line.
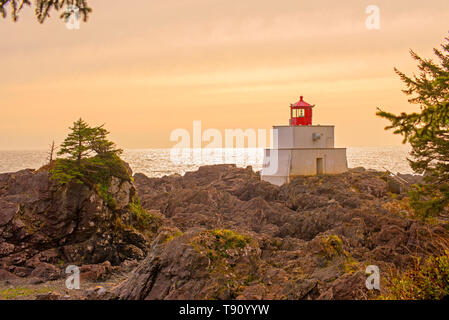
pixel 160 162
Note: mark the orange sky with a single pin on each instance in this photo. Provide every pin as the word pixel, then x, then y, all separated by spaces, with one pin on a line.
pixel 154 66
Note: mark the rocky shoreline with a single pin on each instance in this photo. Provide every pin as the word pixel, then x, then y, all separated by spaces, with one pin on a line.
pixel 216 233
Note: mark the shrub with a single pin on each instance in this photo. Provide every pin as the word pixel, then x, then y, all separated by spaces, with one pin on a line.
pixel 216 243
pixel 143 219
pixel 65 171
pixel 426 280
pixel 332 246
pixel 91 171
pixel 226 239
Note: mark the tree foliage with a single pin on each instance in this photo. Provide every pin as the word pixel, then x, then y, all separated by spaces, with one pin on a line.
pixel 43 8
pixel 76 145
pixel 89 158
pixel 83 140
pixel 99 143
pixel 427 131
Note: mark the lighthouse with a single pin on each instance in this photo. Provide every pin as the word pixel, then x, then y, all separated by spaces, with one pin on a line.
pixel 302 149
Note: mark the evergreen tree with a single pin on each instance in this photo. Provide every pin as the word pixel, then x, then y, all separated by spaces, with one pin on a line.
pixel 79 166
pixel 77 144
pixel 100 144
pixel 44 7
pixel 427 131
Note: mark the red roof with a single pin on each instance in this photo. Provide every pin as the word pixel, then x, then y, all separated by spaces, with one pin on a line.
pixel 301 103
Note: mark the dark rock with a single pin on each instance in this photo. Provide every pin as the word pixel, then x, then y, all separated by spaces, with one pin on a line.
pixel 314 235
pixel 349 287
pixel 95 272
pixel 49 296
pixel 43 223
pixel 99 293
pixel 6 275
pixel 309 239
pixel 46 271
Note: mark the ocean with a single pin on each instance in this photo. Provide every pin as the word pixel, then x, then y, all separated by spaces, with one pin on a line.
pixel 158 162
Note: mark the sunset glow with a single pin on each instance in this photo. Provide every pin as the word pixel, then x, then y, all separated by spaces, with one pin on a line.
pixel 150 67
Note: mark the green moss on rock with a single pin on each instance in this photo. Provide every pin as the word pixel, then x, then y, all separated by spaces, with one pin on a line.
pixel 22 292
pixel 97 170
pixel 332 246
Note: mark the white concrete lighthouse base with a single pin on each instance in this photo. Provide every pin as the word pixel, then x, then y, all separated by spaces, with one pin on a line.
pixel 281 165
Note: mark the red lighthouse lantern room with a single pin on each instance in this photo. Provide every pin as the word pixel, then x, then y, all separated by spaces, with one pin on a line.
pixel 301 113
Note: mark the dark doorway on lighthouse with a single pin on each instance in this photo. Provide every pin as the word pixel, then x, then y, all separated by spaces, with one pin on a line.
pixel 319 166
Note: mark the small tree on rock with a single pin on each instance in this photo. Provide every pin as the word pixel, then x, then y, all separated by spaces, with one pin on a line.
pixel 77 144
pixel 80 167
pixel 99 143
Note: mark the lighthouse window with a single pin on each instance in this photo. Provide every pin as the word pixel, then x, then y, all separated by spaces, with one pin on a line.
pixel 297 113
